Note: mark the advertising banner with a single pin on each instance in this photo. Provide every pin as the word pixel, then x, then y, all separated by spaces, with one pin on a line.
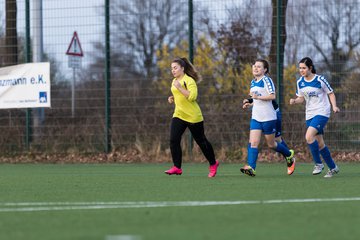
pixel 25 86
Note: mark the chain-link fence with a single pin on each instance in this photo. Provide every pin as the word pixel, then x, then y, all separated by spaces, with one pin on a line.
pixel 115 97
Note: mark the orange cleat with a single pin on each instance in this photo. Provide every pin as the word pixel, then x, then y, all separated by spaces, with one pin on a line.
pixel 291 167
pixel 290 161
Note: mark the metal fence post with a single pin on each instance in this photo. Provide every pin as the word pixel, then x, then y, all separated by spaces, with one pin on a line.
pixel 107 79
pixel 191 58
pixel 279 68
pixel 27 59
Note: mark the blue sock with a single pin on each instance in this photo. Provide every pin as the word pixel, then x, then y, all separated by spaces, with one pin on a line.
pixel 252 156
pixel 284 143
pixel 325 153
pixel 282 149
pixel 314 149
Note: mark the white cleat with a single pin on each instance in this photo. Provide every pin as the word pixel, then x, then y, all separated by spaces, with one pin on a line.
pixel 332 172
pixel 318 169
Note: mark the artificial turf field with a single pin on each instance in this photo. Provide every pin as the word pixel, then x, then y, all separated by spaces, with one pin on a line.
pixel 140 202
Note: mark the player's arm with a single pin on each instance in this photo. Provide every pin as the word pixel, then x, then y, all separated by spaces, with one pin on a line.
pixel 333 102
pixel 297 100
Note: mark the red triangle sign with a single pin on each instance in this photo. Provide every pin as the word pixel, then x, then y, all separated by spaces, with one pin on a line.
pixel 74 48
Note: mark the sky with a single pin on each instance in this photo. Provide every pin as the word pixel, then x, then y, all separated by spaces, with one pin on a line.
pixel 62 17
pixel 60 20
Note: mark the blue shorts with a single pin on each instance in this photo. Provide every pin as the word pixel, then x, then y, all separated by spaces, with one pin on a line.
pixel 317 122
pixel 278 124
pixel 268 127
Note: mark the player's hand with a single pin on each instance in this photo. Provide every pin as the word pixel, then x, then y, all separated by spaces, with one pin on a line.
pixel 245 101
pixel 171 99
pixel 246 105
pixel 336 109
pixel 292 101
pixel 177 84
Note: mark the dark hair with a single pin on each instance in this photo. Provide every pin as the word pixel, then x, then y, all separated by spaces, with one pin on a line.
pixel 309 63
pixel 265 63
pixel 189 69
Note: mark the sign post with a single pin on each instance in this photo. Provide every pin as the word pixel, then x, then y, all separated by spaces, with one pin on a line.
pixel 75 54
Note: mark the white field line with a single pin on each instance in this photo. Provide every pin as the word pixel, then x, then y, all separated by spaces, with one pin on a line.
pixel 61 206
pixel 123 237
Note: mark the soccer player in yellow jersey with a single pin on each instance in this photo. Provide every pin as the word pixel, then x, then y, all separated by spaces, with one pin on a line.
pixel 187 114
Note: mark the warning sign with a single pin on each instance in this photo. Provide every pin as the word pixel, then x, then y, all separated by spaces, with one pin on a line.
pixel 74 48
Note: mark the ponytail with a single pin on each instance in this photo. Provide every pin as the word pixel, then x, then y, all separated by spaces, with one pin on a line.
pixel 189 69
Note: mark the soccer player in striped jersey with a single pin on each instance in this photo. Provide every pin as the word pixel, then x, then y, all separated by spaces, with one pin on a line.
pixel 263 119
pixel 316 91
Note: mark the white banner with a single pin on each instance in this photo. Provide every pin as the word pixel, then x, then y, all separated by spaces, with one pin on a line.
pixel 25 86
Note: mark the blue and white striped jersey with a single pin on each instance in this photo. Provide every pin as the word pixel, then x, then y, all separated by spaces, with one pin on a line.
pixel 263 111
pixel 315 93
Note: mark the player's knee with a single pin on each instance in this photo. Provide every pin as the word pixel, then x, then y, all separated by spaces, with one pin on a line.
pixel 271 144
pixel 321 145
pixel 254 144
pixel 309 138
pixel 175 142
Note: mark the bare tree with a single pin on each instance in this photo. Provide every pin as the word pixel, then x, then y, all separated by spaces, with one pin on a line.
pixel 242 39
pixel 293 31
pixel 334 33
pixel 239 40
pixel 141 27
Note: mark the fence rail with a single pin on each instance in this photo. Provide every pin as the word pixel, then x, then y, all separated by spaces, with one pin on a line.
pixel 121 88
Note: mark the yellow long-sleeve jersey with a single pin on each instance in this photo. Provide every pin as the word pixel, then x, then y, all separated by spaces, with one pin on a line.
pixel 187 109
